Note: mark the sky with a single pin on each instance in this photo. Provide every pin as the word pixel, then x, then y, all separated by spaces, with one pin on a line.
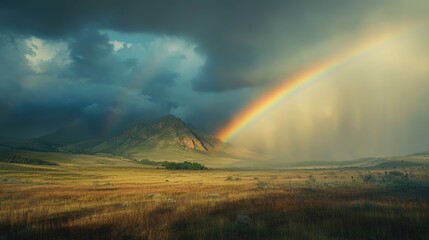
pixel 109 64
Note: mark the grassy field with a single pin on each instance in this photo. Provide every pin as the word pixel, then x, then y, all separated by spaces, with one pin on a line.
pixel 95 197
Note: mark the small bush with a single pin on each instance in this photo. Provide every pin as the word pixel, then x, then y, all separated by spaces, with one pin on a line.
pixel 214 195
pixel 396 174
pixel 155 195
pixel 263 185
pixel 231 178
pixel 369 178
pixel 312 179
pixel 243 220
pixel 147 162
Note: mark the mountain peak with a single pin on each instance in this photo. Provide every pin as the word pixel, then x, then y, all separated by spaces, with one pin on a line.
pixel 170 117
pixel 168 132
pixel 170 121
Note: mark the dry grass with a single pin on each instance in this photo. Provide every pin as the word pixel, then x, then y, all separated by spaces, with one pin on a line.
pixel 132 202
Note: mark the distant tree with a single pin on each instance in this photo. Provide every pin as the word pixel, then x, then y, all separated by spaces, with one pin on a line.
pixel 14 158
pixel 183 166
pixel 174 165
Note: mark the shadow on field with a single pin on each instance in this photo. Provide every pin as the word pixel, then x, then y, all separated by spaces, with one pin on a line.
pixel 313 214
pixel 54 230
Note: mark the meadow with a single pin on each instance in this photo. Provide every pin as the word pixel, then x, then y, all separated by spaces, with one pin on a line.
pixel 102 197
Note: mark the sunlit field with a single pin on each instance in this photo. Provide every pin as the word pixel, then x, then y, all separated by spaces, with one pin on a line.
pixel 113 198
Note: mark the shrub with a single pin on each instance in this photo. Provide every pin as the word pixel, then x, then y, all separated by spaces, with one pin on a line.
pixel 396 174
pixel 173 165
pixel 243 220
pixel 147 162
pixel 312 179
pixel 231 178
pixel 263 185
pixel 214 195
pixel 369 178
pixel 183 166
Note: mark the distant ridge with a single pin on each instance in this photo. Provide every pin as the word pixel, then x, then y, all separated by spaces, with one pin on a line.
pixel 420 154
pixel 68 135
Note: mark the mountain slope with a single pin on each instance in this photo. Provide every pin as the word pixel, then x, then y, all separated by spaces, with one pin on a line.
pixel 168 133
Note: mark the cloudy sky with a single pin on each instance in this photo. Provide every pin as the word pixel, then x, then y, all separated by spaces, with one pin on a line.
pixel 108 64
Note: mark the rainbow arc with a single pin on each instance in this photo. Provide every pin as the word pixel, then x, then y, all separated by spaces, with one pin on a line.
pixel 299 81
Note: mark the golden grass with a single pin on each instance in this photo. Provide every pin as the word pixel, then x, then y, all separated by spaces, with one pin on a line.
pixel 130 201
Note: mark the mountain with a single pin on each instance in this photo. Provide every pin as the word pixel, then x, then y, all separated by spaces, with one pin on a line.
pixel 68 135
pixel 168 132
pixel 166 139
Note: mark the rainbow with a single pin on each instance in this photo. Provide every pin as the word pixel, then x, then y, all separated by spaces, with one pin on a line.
pixel 297 82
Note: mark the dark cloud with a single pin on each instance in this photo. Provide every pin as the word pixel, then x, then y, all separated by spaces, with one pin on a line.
pixel 34 103
pixel 92 57
pixel 64 104
pixel 233 35
pixel 81 83
pixel 13 65
pixel 157 88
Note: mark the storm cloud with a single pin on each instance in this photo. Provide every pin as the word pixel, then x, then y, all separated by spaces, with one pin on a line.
pixel 235 36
